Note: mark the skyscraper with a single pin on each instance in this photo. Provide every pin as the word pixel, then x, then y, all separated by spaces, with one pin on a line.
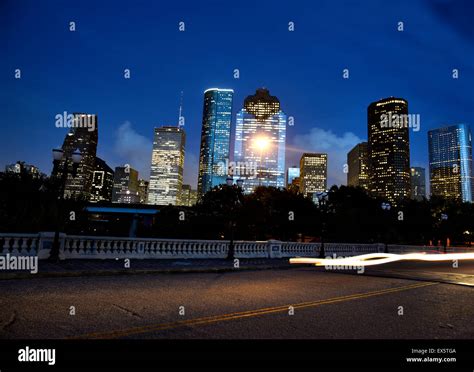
pixel 83 136
pixel 292 173
pixel 125 188
pixel 358 172
pixel 188 196
pixel 313 174
pixel 389 149
pixel 260 141
pixel 215 138
pixel 450 153
pixel 418 183
pixel 143 191
pixel 102 182
pixel 294 186
pixel 167 164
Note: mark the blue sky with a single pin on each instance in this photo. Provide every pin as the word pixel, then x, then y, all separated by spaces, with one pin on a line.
pixel 82 71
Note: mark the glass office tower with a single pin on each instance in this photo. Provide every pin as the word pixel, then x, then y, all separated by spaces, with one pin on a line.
pixel 167 166
pixel 125 188
pixel 389 149
pixel 83 136
pixel 418 183
pixel 358 172
pixel 291 174
pixel 260 140
pixel 215 138
pixel 313 174
pixel 450 153
pixel 102 182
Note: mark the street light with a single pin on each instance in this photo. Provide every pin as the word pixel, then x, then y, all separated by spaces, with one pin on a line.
pixel 386 207
pixel 76 157
pixel 468 236
pixel 57 154
pixel 444 217
pixel 58 157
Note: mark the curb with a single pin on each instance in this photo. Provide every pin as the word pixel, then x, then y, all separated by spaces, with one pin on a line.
pixel 92 273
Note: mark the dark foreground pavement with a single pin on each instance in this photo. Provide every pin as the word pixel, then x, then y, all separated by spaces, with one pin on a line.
pixel 303 302
pixel 75 268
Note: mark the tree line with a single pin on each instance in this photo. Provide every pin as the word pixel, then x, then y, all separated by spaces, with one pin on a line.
pixel 350 214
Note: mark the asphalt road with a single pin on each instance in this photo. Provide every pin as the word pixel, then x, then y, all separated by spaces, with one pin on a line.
pixel 250 304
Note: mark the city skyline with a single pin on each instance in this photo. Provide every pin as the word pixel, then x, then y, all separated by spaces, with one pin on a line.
pixel 264 135
pixel 129 109
pixel 239 173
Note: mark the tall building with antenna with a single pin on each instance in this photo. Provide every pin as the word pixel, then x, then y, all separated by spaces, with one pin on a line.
pixel 180 115
pixel 167 166
pixel 167 163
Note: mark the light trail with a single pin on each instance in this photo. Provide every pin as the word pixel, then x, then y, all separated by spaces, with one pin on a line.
pixel 373 259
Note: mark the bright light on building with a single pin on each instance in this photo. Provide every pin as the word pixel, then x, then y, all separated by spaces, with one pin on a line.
pixel 261 143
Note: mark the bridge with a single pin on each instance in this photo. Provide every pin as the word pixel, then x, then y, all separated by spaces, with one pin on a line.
pixel 104 247
pixel 403 300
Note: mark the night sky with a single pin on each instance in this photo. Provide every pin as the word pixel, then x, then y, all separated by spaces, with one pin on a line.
pixel 82 71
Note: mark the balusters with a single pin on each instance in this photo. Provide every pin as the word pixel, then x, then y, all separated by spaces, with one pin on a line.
pixel 81 247
pixel 6 245
pixel 15 247
pixel 33 247
pixel 24 247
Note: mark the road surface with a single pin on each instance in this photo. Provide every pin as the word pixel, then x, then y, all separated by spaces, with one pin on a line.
pixel 297 303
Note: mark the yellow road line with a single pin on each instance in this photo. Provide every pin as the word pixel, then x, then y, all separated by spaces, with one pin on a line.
pixel 245 314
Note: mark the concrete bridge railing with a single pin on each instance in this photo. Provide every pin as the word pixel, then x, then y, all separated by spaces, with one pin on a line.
pixel 104 247
pixel 19 244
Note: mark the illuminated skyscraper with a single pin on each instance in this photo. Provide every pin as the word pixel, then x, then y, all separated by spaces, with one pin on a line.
pixel 358 172
pixel 125 188
pixel 143 191
pixel 313 174
pixel 260 139
pixel 215 138
pixel 294 186
pixel 418 183
pixel 188 196
pixel 389 149
pixel 167 164
pixel 102 182
pixel 83 136
pixel 450 153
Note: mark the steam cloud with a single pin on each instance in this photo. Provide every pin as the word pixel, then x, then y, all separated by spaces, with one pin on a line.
pixel 325 141
pixel 134 149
